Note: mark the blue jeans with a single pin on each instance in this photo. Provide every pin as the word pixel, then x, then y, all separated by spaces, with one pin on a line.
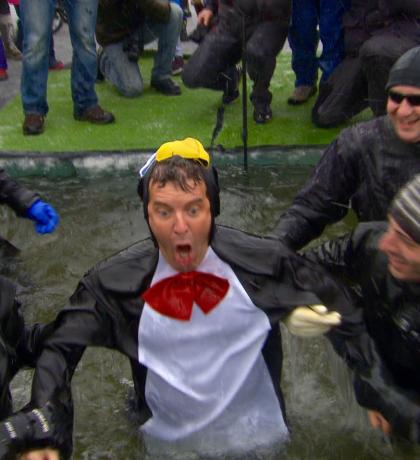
pixel 303 38
pixel 125 75
pixel 37 18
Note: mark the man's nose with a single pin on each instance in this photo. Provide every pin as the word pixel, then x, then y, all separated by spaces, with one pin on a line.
pixel 405 108
pixel 388 242
pixel 180 225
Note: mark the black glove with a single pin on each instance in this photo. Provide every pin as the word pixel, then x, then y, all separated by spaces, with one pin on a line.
pixel 48 426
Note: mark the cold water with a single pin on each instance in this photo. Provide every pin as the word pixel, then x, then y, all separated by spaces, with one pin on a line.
pixel 102 214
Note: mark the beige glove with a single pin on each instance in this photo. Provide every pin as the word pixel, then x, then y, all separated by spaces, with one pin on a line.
pixel 311 320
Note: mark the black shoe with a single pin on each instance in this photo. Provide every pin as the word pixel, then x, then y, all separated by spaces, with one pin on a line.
pixel 33 124
pixel 166 87
pixel 231 91
pixel 262 114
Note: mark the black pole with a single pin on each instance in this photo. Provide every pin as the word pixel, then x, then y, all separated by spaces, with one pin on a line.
pixel 244 98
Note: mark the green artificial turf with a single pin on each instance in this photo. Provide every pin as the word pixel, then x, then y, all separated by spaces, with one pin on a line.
pixel 147 121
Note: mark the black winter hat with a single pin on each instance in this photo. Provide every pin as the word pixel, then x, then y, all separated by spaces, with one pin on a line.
pixel 405 208
pixel 406 70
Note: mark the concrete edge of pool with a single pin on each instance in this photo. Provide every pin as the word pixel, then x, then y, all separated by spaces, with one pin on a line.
pixel 68 164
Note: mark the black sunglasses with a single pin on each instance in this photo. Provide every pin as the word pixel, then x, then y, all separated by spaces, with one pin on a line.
pixel 412 99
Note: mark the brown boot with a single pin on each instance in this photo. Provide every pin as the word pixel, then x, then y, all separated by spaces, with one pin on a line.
pixel 6 30
pixel 95 115
pixel 33 124
pixel 301 94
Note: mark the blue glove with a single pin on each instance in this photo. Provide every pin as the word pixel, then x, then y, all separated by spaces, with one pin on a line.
pixel 44 215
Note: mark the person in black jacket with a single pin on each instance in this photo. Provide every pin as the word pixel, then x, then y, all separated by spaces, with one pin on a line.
pixel 28 204
pixel 365 166
pixel 212 65
pixel 19 345
pixel 383 260
pixel 196 309
pixel 376 34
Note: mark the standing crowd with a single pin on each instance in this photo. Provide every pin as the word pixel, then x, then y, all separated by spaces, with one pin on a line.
pixel 196 307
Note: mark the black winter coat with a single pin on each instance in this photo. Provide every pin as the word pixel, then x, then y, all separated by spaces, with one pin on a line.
pixel 365 18
pixel 391 307
pixel 362 170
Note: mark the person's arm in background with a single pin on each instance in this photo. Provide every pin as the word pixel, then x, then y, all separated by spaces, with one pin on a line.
pixel 27 204
pixel 390 408
pixel 324 199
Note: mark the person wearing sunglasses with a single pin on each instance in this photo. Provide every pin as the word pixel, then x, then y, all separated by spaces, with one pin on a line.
pixel 196 308
pixel 383 260
pixel 365 166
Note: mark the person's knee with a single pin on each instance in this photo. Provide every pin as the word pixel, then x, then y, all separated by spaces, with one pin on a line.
pixel 176 13
pixel 190 76
pixel 130 91
pixel 370 49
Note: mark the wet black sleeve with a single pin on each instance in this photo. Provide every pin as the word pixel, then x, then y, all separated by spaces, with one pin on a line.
pixel 325 198
pixel 375 387
pixel 15 195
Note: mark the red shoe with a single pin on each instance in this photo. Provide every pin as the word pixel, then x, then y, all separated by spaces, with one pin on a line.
pixel 58 65
pixel 177 65
pixel 3 75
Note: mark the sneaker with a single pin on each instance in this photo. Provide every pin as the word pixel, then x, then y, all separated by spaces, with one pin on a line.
pixel 262 114
pixel 166 87
pixel 96 115
pixel 177 65
pixel 57 65
pixel 301 94
pixel 231 91
pixel 3 75
pixel 33 124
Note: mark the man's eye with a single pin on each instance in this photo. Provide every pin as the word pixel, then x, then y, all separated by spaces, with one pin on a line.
pixel 163 212
pixel 193 211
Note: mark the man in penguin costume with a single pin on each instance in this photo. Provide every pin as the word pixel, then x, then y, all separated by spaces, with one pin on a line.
pixel 196 309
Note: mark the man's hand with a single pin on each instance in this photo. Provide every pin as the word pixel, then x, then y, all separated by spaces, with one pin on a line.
pixel 205 16
pixel 41 454
pixel 377 420
pixel 311 320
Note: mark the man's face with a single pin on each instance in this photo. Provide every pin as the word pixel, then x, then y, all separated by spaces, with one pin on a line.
pixel 180 222
pixel 404 116
pixel 402 251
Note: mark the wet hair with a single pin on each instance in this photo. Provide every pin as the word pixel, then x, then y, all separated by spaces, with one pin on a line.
pixel 180 171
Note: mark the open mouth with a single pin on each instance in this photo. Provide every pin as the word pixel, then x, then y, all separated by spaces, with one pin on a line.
pixel 183 253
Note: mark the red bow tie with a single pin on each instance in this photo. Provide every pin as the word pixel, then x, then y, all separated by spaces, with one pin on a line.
pixel 174 296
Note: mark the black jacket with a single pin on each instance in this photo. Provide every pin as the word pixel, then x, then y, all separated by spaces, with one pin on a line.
pixel 19 346
pixel 362 170
pixel 366 18
pixel 106 307
pixel 15 195
pixel 118 19
pixel 391 307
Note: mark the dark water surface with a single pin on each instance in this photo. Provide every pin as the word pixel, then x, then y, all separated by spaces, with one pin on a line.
pixel 102 214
